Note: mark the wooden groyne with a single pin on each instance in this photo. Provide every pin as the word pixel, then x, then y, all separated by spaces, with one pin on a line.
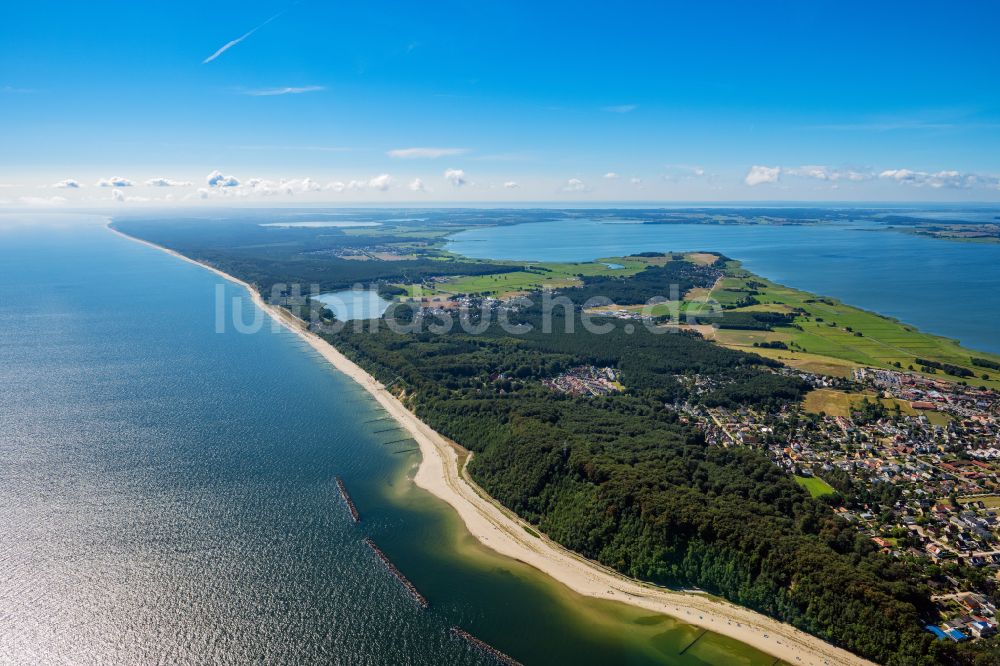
pixel 348 501
pixel 484 647
pixel 419 598
pixel 691 644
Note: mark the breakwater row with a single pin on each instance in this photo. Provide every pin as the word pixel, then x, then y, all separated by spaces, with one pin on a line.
pixel 484 647
pixel 419 598
pixel 348 501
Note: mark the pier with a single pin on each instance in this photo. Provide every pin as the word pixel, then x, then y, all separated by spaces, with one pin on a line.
pixel 484 647
pixel 348 501
pixel 410 587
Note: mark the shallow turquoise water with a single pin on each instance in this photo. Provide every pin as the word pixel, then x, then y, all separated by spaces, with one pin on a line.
pixel 943 287
pixel 167 492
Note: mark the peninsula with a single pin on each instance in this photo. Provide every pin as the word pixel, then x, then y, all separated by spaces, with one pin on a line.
pixel 599 459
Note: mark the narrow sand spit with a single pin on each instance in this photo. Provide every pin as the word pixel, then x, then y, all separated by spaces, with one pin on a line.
pixel 502 531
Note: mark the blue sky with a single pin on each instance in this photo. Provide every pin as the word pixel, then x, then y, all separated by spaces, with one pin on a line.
pixel 471 101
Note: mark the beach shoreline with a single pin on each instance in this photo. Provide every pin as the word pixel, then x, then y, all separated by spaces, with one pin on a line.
pixel 503 532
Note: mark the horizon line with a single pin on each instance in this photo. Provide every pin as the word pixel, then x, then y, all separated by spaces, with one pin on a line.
pixel 547 203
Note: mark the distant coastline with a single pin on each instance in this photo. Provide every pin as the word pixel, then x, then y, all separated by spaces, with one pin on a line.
pixel 498 528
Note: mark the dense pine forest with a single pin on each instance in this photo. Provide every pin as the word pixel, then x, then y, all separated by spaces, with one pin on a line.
pixel 622 478
pixel 268 256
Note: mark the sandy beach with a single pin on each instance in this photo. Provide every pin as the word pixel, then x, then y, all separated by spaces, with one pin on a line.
pixel 503 532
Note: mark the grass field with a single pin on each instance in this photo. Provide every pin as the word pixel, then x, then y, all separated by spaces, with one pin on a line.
pixel 546 275
pixel 831 329
pixel 821 365
pixel 828 337
pixel 840 403
pixel 816 486
pixel 991 501
pixel 936 418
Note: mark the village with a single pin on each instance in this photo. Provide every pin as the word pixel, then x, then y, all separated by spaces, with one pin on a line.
pixel 914 465
pixel 911 461
pixel 586 380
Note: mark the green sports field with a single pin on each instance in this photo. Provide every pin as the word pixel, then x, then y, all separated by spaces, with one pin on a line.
pixel 816 486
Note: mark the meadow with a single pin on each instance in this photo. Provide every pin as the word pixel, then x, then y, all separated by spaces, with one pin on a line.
pixel 835 336
pixel 815 486
pixel 826 337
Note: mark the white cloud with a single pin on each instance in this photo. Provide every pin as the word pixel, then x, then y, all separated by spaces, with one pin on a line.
pixel 762 174
pixel 115 181
pixel 69 183
pixel 818 172
pixel 759 175
pixel 942 179
pixel 936 180
pixel 417 185
pixel 575 185
pixel 456 177
pixel 217 179
pixel 380 182
pixel 167 182
pixel 677 172
pixel 228 186
pixel 119 196
pixel 621 108
pixel 41 201
pixel 901 175
pixel 425 153
pixel 511 185
pixel 825 173
pixel 230 44
pixel 288 186
pixel 635 181
pixel 286 90
pixel 251 186
pixel 611 175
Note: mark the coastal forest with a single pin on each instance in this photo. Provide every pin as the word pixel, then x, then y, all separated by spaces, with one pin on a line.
pixel 622 477
pixel 624 480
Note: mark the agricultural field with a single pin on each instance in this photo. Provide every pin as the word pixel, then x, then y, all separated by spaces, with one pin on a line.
pixel 846 335
pixel 827 336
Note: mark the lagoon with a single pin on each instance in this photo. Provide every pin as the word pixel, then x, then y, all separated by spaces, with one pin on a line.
pixel 351 304
pixel 944 287
pixel 319 225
